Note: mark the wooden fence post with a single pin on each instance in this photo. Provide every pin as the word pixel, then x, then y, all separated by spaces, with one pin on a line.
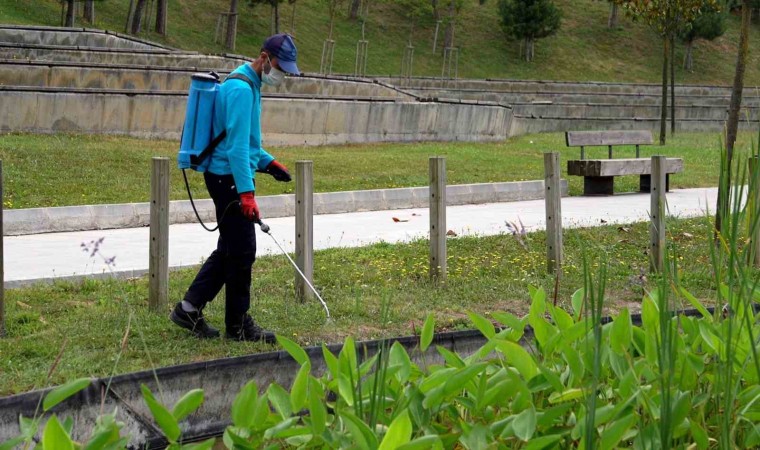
pixel 159 234
pixel 438 219
pixel 304 227
pixel 754 201
pixel 553 200
pixel 2 257
pixel 657 213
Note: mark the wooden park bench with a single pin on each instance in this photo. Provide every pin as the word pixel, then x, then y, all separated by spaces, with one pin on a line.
pixel 599 174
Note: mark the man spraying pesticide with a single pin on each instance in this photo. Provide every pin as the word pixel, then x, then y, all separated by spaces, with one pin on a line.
pixel 228 154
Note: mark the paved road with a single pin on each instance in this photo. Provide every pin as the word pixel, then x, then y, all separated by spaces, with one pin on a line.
pixel 60 255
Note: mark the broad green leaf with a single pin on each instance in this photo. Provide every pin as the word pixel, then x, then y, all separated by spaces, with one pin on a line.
pixel 426 338
pixel 280 399
pixel 577 301
pixel 561 317
pixel 517 326
pixel 63 392
pixel 547 418
pixel 346 389
pixel 696 304
pixel 347 359
pixel 429 442
pixel 566 395
pixel 621 333
pixel 399 432
pixel 205 445
pixel 483 325
pixel 244 405
pixel 161 415
pixel 317 410
pixel 236 438
pixel 474 436
pixel 650 315
pixel 275 431
pixel 612 434
pixel 543 442
pixel 188 404
pixel 461 377
pixel 54 437
pixel 11 444
pixel 300 387
pixel 398 357
pixel 436 378
pixel 524 424
pixel 330 361
pixel 360 432
pixel 519 358
pixel 295 350
pixel 451 358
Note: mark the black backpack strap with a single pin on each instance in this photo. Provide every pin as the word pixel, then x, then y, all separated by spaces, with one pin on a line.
pixel 196 160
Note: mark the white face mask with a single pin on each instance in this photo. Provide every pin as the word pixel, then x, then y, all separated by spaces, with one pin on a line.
pixel 272 77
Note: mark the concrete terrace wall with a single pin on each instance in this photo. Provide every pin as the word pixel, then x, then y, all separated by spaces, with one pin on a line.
pixel 117 56
pixel 60 74
pixel 34 35
pixel 286 121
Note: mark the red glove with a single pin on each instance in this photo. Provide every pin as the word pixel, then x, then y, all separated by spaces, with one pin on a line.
pixel 278 171
pixel 248 206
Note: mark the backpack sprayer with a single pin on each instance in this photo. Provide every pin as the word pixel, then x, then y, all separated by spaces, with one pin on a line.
pixel 197 144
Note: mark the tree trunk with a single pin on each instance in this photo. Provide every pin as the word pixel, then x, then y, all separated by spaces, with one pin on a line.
pixel 353 13
pixel 293 20
pixel 664 106
pixel 612 20
pixel 688 63
pixel 529 46
pixel 673 85
pixel 448 34
pixel 231 25
pixel 137 16
pixel 276 17
pixel 129 17
pixel 69 13
pixel 89 11
pixel 162 10
pixel 732 127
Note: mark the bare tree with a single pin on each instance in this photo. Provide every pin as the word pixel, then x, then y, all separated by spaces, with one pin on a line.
pixel 353 12
pixel 162 9
pixel 69 13
pixel 137 16
pixel 612 20
pixel 732 127
pixel 232 25
pixel 89 11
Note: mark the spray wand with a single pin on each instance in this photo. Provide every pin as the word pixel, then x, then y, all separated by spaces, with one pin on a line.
pixel 265 228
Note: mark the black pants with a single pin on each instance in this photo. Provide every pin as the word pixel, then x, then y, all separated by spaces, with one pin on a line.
pixel 230 264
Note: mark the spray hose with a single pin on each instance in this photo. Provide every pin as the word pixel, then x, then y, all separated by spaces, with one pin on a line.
pixel 197 216
pixel 265 228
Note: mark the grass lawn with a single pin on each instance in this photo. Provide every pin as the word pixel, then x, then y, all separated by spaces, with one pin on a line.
pixel 60 170
pixel 89 320
pixel 583 48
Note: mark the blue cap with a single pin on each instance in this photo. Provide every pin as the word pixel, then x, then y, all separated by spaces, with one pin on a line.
pixel 282 47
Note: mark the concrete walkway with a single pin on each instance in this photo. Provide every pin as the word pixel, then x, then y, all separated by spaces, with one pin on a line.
pixel 40 257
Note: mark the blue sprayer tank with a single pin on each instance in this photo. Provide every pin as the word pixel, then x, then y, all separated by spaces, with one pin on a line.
pixel 199 115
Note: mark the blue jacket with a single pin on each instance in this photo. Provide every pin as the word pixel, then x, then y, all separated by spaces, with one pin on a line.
pixel 238 110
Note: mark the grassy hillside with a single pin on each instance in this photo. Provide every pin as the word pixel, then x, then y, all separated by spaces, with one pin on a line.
pixel 584 49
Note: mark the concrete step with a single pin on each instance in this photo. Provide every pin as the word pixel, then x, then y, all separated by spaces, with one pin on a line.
pixel 517 86
pixel 117 56
pixel 87 37
pixel 77 75
pixel 699 112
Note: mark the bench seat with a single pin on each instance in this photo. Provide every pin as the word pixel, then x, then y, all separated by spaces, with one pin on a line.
pixel 598 174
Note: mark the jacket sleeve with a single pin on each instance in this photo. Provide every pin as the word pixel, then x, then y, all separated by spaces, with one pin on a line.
pixel 238 113
pixel 264 160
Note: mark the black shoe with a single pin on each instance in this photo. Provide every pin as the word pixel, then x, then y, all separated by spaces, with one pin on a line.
pixel 250 331
pixel 194 322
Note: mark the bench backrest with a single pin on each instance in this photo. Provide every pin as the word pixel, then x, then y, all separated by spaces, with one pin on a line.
pixel 604 138
pixel 608 138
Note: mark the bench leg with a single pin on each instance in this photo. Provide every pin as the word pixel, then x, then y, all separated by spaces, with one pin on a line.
pixel 598 185
pixel 645 183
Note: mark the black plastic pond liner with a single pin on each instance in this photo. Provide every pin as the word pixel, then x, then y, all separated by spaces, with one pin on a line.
pixel 221 380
